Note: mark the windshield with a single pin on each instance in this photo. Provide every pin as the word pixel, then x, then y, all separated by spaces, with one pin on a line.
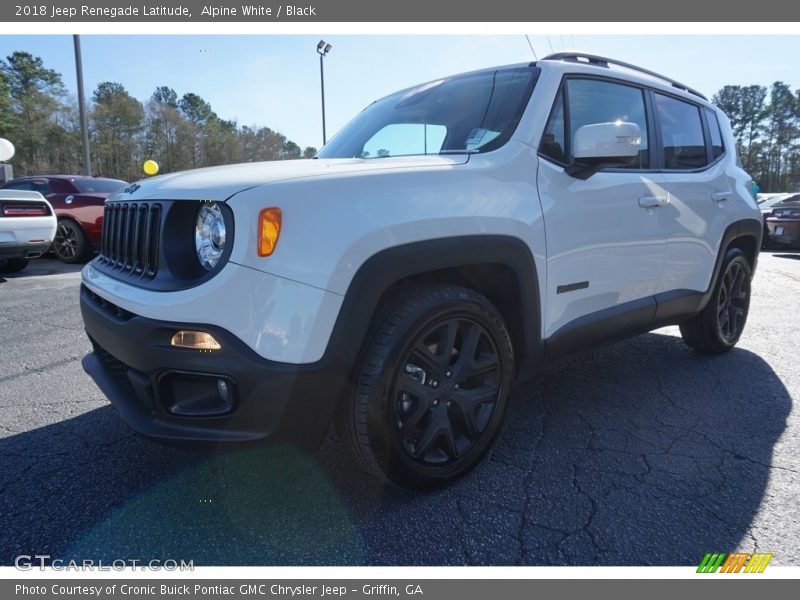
pixel 98 186
pixel 477 112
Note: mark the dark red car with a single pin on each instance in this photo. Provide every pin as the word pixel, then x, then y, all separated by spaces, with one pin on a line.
pixel 78 202
pixel 783 225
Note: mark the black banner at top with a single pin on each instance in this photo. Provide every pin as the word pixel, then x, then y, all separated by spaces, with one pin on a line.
pixel 398 11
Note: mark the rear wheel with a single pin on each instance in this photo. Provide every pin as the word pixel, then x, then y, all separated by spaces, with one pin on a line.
pixel 720 324
pixel 71 244
pixel 13 265
pixel 431 389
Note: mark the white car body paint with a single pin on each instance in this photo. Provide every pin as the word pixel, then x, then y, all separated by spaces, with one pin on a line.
pixel 337 213
pixel 21 231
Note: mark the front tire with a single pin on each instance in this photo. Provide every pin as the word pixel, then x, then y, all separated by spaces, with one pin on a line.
pixel 718 327
pixel 71 244
pixel 431 388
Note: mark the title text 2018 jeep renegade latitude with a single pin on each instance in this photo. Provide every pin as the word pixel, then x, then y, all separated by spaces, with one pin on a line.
pixel 450 239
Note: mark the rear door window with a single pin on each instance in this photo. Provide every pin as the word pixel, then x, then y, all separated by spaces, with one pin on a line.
pixel 681 133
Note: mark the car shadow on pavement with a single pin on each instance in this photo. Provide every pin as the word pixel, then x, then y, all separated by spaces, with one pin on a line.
pixel 783 255
pixel 46 265
pixel 641 453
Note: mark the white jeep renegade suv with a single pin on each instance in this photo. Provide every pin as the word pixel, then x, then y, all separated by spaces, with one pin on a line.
pixel 450 239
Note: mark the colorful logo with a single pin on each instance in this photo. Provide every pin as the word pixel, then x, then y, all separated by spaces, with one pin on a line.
pixel 735 562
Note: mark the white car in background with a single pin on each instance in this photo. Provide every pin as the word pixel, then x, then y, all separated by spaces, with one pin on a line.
pixel 27 228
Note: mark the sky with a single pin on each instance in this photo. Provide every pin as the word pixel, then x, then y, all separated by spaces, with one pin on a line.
pixel 274 80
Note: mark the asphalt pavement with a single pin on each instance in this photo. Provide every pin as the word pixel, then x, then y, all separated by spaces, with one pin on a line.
pixel 641 453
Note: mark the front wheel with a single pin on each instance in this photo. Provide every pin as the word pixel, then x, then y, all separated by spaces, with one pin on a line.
pixel 431 388
pixel 718 327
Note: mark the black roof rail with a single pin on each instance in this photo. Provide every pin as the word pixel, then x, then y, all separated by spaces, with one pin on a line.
pixel 602 61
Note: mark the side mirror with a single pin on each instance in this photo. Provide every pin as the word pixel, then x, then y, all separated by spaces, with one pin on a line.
pixel 602 145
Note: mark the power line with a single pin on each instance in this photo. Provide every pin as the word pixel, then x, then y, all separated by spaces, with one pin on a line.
pixel 550 44
pixel 531 45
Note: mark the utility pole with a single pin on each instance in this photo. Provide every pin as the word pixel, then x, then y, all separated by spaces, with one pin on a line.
pixel 87 165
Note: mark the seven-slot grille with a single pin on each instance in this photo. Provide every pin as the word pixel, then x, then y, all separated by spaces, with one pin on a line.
pixel 131 232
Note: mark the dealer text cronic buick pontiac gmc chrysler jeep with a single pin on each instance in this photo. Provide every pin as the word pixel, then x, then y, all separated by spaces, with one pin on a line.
pixel 450 239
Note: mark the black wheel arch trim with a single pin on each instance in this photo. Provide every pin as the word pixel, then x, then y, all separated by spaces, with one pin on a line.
pixel 745 228
pixel 393 265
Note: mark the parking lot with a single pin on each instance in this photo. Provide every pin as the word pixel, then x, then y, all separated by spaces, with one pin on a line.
pixel 642 453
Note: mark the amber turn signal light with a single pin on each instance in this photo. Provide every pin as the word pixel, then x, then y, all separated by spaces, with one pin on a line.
pixel 269 228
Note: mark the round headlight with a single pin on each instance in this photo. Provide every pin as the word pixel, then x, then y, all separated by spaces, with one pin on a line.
pixel 209 235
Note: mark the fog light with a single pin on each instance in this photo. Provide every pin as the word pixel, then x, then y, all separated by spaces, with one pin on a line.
pixel 196 394
pixel 195 340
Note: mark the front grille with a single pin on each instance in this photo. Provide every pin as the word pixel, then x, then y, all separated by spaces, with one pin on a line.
pixel 110 308
pixel 131 234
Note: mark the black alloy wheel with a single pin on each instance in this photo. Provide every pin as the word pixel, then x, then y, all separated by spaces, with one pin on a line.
pixel 70 243
pixel 431 387
pixel 447 390
pixel 733 302
pixel 718 327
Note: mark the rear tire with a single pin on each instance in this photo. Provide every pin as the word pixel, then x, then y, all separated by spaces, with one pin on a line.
pixel 431 388
pixel 13 265
pixel 718 327
pixel 71 244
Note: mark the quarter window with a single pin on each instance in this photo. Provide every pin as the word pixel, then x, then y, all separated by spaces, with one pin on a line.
pixel 552 145
pixel 682 133
pixel 717 147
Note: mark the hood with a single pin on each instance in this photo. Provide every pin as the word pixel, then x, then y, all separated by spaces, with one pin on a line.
pixel 220 183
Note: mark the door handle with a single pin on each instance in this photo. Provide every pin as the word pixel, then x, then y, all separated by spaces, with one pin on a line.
pixel 652 201
pixel 720 196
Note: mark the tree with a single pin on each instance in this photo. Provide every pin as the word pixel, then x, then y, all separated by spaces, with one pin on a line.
pixel 7 116
pixel 290 150
pixel 116 120
pixel 166 131
pixel 309 152
pixel 198 115
pixel 37 100
pixel 745 107
pixel 166 96
pixel 782 134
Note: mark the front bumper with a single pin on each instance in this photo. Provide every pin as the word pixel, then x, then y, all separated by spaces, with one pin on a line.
pixel 134 364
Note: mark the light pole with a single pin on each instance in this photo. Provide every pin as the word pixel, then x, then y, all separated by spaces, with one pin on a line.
pixel 322 49
pixel 87 165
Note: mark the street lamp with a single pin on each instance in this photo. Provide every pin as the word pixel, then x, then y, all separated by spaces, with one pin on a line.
pixel 87 164
pixel 322 49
